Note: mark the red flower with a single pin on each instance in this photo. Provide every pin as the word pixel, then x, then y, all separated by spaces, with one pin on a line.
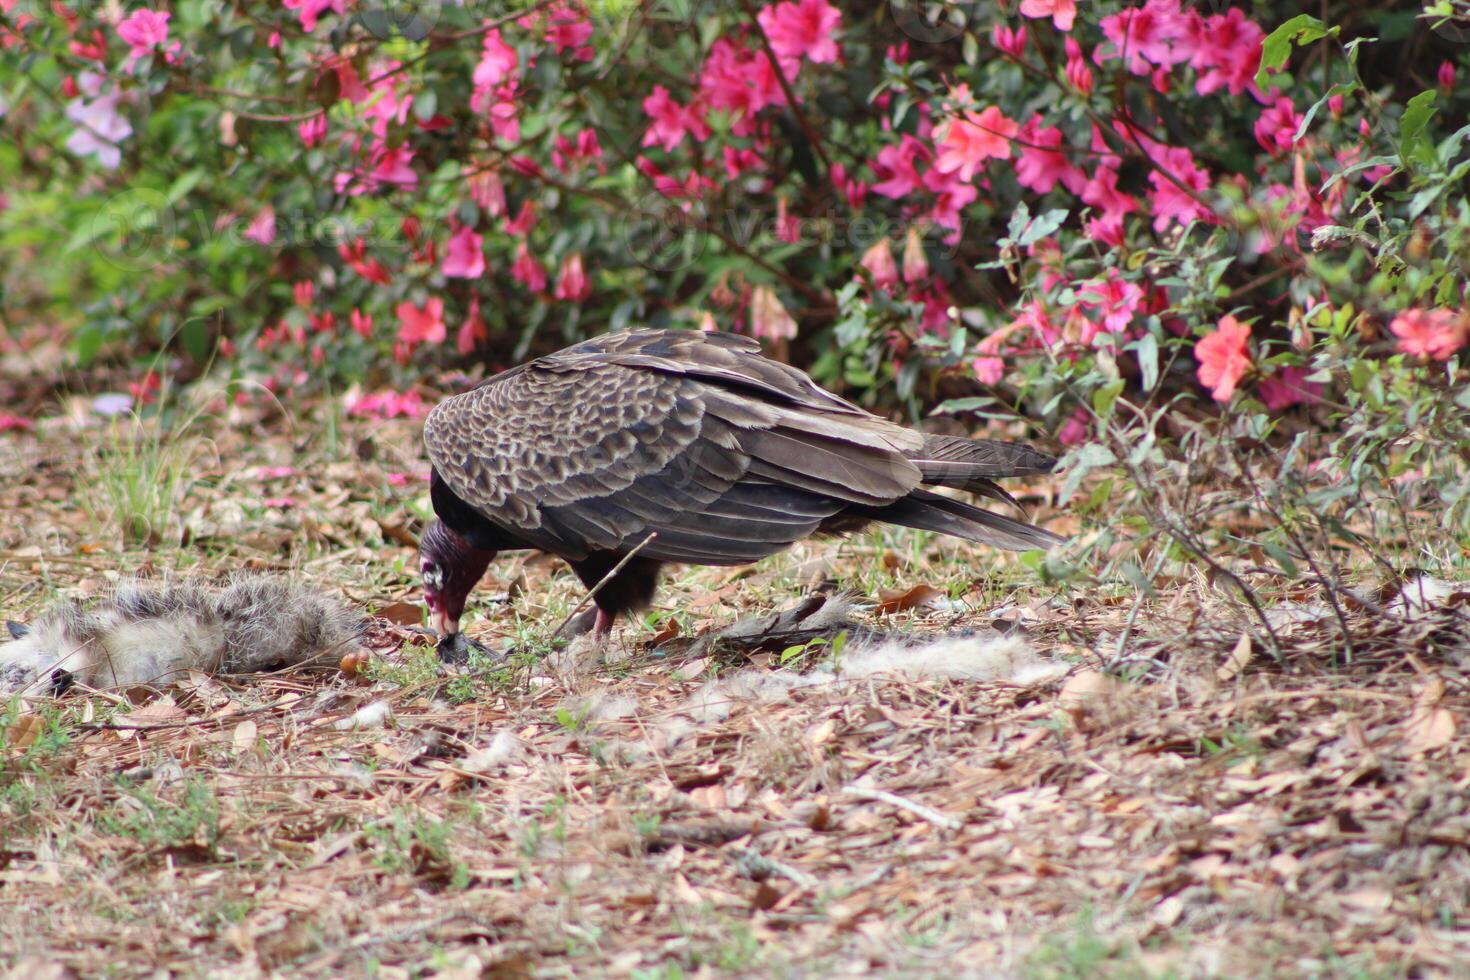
pixel 528 270
pixel 418 325
pixel 1224 357
pixel 571 282
pixel 472 331
pixel 1428 333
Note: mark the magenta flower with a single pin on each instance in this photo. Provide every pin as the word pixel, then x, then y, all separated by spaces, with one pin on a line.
pixel 464 257
pixel 802 29
pixel 142 31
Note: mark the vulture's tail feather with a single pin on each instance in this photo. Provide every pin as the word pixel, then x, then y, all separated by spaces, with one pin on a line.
pixel 931 512
pixel 973 464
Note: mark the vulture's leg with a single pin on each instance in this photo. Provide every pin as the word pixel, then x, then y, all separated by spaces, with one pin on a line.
pixel 604 624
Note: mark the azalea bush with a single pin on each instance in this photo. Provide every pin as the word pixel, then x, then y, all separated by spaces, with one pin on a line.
pixel 1109 216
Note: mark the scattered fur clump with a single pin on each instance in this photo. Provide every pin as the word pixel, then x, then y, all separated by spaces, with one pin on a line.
pixel 986 656
pixel 146 633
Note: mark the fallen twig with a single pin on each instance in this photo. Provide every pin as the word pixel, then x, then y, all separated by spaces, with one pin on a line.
pixel 917 809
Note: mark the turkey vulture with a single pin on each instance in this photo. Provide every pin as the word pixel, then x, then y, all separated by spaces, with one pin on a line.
pixel 653 446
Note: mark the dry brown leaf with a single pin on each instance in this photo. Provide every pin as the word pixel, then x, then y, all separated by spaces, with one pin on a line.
pixel 903 601
pixel 1085 686
pixel 1236 661
pixel 403 613
pixel 244 737
pixel 23 732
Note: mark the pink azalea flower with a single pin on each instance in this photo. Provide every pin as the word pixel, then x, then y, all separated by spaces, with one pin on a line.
pixel 1446 77
pixel 853 189
pixel 895 167
pixel 1114 298
pixel 915 262
pixel 878 261
pixel 1009 41
pixel 740 81
pixel 571 280
pixel 1287 387
pixel 388 405
pixel 362 323
pixel 974 138
pixel 313 130
pixel 1074 431
pixel 1277 126
pixel 1078 74
pixel 262 229
pixel 472 331
pixel 1434 334
pixel 487 192
pixel 989 370
pixel 768 318
pixel 1039 166
pixel 1227 53
pixel 274 472
pixel 1061 12
pixel 1224 357
pixel 312 10
pixel 788 228
pixel 528 270
pixel 142 31
pixel 15 423
pixel 279 503
pixel 951 196
pixel 671 121
pixel 804 28
pixel 464 257
pixel 1170 202
pixel 498 62
pixel 1143 36
pixel 421 324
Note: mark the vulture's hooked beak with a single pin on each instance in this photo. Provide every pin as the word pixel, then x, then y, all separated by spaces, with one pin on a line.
pixel 443 625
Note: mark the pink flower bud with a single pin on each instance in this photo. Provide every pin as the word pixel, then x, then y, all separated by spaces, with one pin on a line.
pixel 878 260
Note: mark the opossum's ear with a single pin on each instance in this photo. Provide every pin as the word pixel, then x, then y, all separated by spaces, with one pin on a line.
pixel 17 630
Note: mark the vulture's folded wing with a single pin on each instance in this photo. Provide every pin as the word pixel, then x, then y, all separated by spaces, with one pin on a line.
pixel 591 450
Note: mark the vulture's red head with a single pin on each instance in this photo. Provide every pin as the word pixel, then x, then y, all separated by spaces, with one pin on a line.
pixel 450 566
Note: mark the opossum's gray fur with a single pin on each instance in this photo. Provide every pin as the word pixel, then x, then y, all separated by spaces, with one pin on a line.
pixel 150 633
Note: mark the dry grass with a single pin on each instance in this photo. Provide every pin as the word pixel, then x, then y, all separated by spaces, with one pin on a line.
pixel 1198 810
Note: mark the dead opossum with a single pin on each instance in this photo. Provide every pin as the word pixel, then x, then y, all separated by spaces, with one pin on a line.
pixel 150 633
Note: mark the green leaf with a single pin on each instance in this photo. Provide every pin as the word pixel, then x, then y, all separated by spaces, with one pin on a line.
pixel 954 405
pixel 1276 48
pixel 1083 461
pixel 1412 141
pixel 1041 226
pixel 1104 397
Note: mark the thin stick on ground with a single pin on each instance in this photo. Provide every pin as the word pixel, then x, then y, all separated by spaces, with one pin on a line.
pixel 592 593
pixel 893 799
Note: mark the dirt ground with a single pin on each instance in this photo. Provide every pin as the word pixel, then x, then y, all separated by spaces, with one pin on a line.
pixel 1157 794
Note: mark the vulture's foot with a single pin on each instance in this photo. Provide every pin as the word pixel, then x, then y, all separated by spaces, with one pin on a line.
pixel 456 649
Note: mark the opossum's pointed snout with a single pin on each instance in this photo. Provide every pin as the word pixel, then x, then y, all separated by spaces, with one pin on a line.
pixel 17 630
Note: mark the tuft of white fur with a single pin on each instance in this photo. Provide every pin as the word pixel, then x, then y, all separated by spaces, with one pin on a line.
pixel 972 658
pixel 146 633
